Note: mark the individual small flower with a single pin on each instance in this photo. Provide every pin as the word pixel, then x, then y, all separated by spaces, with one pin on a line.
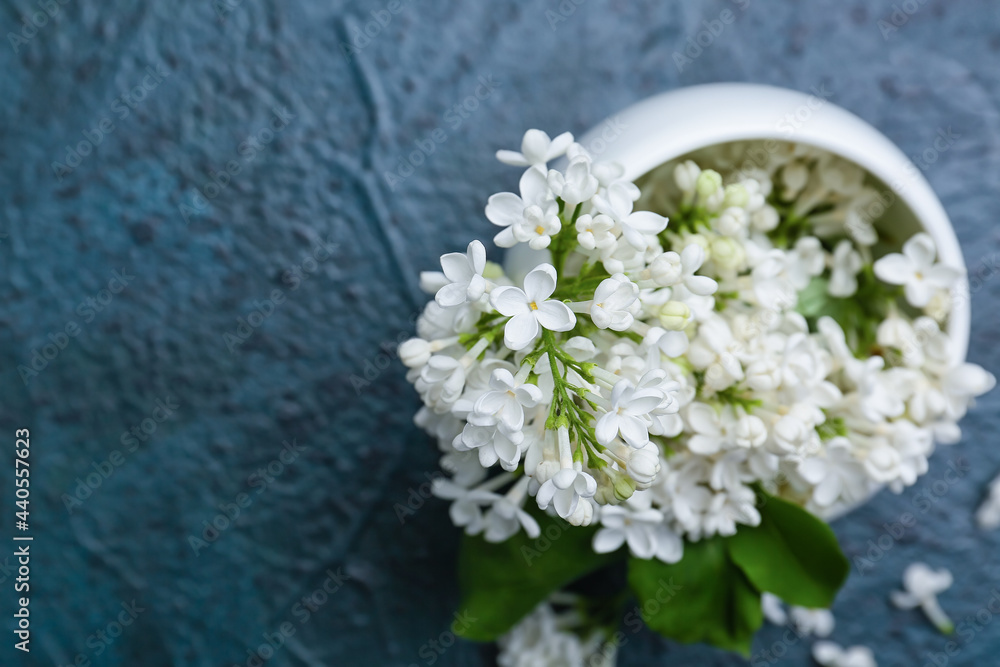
pixel 669 268
pixel 595 232
pixel 441 382
pixel 566 490
pixel 636 226
pixel 916 271
pixel 847 263
pixel 506 402
pixel 829 654
pixel 507 516
pixel 621 525
pixel 530 310
pixel 464 273
pixel 577 185
pixel 615 303
pixel 531 217
pixel 921 586
pixel 629 407
pixel 537 149
pixel 643 465
pixel 815 622
pixel 492 443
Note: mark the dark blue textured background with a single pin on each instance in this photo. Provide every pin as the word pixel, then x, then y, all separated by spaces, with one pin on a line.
pixel 322 179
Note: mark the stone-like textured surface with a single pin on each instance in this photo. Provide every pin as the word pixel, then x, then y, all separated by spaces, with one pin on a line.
pixel 321 179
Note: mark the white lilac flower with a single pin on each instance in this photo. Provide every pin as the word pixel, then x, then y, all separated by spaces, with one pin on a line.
pixel 691 379
pixel 915 269
pixel 577 185
pixel 847 263
pixel 530 309
pixel 813 622
pixel 506 402
pixel 669 268
pixel 506 517
pixel 636 226
pixel 532 217
pixel 537 149
pixel 595 232
pixel 626 414
pixel 835 476
pixel 615 303
pixel 921 586
pixel 828 654
pixel 464 273
pixel 567 489
pixel 544 638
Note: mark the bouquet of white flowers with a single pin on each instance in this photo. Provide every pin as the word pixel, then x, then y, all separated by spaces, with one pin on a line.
pixel 690 397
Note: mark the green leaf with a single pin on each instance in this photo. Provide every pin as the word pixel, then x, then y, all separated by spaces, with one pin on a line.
pixel 708 598
pixel 502 583
pixel 792 554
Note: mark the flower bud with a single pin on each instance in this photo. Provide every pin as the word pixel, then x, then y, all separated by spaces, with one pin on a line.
pixel 415 352
pixel 643 466
pixel 732 221
pixel 765 219
pixel 666 269
pixel 674 315
pixel 727 253
pixel 686 175
pixel 624 485
pixel 736 195
pixel 709 181
pixel 750 431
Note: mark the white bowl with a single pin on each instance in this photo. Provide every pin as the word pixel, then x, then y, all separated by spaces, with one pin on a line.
pixel 667 126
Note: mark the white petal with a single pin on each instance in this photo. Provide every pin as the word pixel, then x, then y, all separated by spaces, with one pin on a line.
pixel 512 158
pixel 920 249
pixel 477 256
pixel 918 292
pixel 453 294
pixel 540 283
pixel 607 540
pixel 520 331
pixel 504 209
pixel 510 301
pixel 894 269
pixel 701 285
pixel 555 316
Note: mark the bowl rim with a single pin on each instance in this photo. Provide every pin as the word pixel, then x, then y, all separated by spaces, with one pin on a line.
pixel 666 126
